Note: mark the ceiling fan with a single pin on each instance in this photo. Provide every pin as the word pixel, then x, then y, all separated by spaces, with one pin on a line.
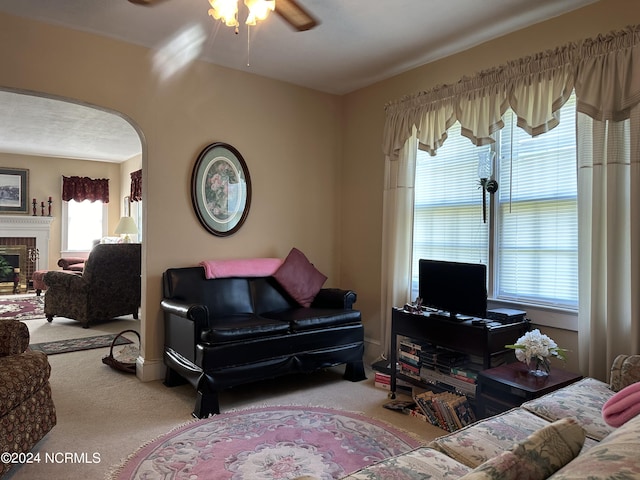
pixel 290 11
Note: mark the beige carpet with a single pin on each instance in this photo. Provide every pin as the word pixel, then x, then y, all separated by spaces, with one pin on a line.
pixel 111 414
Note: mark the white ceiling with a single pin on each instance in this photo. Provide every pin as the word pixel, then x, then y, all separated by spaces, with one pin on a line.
pixel 41 126
pixel 356 44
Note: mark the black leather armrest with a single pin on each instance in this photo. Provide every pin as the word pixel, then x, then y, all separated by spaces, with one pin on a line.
pixel 198 313
pixel 183 325
pixel 335 298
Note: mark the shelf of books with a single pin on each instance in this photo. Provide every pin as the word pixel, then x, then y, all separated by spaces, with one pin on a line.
pixel 449 378
pixel 444 357
pixel 447 410
pixel 424 362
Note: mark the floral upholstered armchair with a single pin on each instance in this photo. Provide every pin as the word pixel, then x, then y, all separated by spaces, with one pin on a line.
pixel 27 412
pixel 108 287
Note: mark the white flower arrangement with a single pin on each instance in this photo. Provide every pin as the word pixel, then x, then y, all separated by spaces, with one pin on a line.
pixel 535 348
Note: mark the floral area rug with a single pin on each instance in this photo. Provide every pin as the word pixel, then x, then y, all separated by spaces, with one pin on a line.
pixel 24 307
pixel 77 344
pixel 268 443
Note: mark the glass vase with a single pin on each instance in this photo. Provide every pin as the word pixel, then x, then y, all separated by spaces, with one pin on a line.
pixel 539 367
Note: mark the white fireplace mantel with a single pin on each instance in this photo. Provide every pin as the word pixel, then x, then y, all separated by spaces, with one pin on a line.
pixel 13 226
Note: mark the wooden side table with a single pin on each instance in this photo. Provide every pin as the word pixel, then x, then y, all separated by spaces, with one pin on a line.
pixel 501 388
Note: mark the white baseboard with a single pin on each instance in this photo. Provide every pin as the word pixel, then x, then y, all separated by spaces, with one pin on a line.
pixel 150 370
pixel 372 350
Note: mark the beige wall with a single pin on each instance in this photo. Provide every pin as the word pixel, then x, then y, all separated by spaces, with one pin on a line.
pixel 315 159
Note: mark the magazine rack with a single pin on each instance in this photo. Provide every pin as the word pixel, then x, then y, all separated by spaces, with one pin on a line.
pixel 125 360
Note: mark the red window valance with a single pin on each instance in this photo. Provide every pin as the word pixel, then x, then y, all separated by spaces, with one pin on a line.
pixel 136 186
pixel 85 188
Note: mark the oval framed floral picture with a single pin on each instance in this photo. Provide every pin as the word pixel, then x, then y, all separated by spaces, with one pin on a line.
pixel 221 189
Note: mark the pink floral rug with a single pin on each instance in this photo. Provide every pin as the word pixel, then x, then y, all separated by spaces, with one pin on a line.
pixel 268 443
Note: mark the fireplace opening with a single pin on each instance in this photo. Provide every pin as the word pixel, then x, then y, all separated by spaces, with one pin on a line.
pixel 13 271
pixel 10 270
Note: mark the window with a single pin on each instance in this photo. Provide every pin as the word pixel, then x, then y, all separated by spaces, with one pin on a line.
pixel 83 223
pixel 136 213
pixel 448 221
pixel 532 227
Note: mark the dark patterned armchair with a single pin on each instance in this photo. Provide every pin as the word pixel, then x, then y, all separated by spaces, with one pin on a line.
pixel 27 412
pixel 108 287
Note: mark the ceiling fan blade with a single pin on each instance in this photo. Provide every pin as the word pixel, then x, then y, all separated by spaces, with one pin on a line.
pixel 144 2
pixel 295 15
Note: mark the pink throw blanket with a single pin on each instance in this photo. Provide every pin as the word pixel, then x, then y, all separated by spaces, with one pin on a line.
pixel 623 406
pixel 250 267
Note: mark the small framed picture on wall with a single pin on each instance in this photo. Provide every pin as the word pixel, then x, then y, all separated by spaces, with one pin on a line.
pixel 14 190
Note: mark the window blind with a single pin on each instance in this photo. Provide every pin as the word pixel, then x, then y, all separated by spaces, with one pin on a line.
pixel 448 222
pixel 536 220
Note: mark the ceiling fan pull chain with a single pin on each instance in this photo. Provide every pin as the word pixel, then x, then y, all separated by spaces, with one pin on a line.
pixel 248 45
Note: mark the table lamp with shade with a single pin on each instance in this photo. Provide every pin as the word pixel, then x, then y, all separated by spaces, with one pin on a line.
pixel 126 226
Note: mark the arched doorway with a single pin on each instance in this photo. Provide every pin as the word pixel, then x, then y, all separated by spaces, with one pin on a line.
pixel 49 137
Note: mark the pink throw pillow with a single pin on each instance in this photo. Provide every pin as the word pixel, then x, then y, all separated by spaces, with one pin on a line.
pixel 300 278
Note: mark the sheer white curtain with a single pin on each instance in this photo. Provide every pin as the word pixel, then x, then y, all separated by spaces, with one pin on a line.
pixel 609 241
pixel 605 72
pixel 608 90
pixel 397 228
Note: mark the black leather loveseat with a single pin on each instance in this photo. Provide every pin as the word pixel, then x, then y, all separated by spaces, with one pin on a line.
pixel 223 332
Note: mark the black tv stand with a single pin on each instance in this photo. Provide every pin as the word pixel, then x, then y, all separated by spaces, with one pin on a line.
pixel 451 318
pixel 486 341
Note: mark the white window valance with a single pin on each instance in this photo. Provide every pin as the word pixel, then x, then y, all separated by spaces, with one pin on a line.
pixel 604 71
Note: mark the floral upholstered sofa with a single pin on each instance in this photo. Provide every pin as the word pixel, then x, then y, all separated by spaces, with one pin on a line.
pixel 27 412
pixel 561 436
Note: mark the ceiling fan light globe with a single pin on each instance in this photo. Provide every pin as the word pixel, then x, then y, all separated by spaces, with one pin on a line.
pixel 225 10
pixel 259 10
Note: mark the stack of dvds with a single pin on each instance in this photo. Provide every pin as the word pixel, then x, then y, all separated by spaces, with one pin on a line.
pixel 465 373
pixel 429 356
pixel 446 359
pixel 410 357
pixel 382 380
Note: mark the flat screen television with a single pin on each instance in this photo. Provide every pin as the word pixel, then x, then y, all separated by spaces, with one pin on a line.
pixel 455 289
